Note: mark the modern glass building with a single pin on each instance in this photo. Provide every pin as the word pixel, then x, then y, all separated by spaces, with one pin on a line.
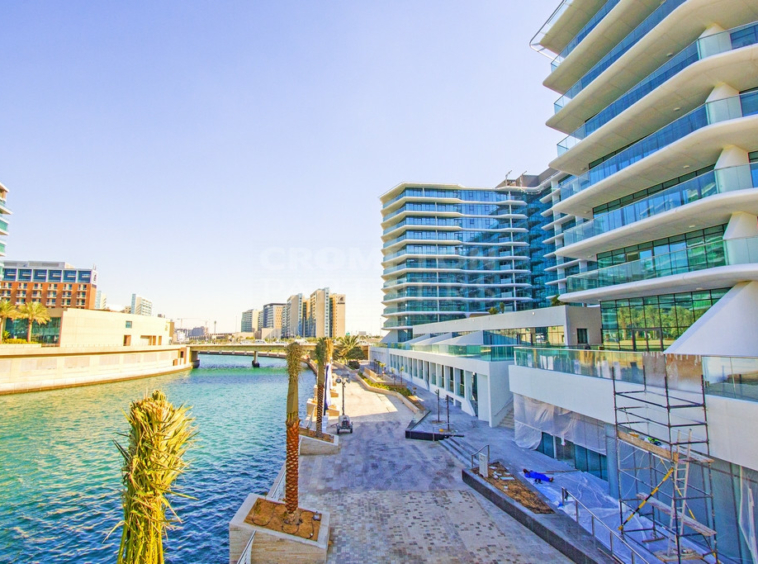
pixel 451 252
pixel 4 212
pixel 654 221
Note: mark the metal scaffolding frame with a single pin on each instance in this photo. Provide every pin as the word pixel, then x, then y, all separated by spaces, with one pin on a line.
pixel 664 421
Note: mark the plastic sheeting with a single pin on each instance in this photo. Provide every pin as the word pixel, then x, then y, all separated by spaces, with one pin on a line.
pixel 533 417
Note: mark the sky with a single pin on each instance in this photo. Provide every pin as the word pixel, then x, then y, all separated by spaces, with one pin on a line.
pixel 217 156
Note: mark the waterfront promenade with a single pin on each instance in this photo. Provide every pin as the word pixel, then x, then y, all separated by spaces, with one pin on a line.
pixel 397 500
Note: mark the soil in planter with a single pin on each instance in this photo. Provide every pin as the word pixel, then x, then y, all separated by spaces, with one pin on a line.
pixel 312 434
pixel 270 515
pixel 514 488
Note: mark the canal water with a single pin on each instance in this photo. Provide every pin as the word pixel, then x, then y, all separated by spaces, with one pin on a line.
pixel 60 473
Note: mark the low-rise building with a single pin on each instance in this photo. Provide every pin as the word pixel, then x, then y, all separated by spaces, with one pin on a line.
pixel 78 327
pixel 470 359
pixel 53 284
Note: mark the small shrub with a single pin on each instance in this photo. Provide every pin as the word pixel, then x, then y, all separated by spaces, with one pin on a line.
pixel 353 364
pixel 15 342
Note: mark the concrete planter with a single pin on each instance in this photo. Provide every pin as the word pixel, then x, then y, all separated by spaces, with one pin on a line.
pixel 312 446
pixel 273 546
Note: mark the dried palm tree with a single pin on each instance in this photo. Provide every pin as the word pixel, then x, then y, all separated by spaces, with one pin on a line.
pixel 158 440
pixel 294 358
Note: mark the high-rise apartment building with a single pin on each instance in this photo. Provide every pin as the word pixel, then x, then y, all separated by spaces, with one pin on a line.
pixel 141 306
pixel 249 322
pixel 654 215
pixel 337 315
pixel 272 316
pixel 451 252
pixel 293 317
pixel 53 284
pixel 317 316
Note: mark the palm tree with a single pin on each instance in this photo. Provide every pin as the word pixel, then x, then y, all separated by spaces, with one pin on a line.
pixel 33 312
pixel 7 311
pixel 294 358
pixel 320 352
pixel 154 457
pixel 348 347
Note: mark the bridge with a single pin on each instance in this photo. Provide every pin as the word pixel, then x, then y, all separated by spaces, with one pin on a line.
pixel 242 349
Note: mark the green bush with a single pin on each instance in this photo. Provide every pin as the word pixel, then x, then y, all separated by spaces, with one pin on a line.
pixel 353 364
pixel 15 342
pixel 393 388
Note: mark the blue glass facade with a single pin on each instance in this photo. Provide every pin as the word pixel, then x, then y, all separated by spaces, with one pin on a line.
pixel 450 252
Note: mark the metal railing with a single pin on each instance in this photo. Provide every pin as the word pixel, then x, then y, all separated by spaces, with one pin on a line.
pixel 614 538
pixel 247 554
pixel 473 456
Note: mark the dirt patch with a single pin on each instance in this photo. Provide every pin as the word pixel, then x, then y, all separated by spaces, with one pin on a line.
pixel 514 488
pixel 270 515
pixel 326 437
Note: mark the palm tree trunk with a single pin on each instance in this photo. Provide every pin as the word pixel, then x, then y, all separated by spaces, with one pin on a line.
pixel 2 328
pixel 29 332
pixel 320 399
pixel 292 466
pixel 291 501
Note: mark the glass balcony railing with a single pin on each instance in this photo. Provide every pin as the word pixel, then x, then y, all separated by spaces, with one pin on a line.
pixel 735 107
pixel 714 182
pixel 555 16
pixel 731 377
pixel 584 32
pixel 621 365
pixel 491 353
pixel 691 259
pixel 700 49
pixel 615 54
pixel 424 236
pixel 3 225
pixel 416 222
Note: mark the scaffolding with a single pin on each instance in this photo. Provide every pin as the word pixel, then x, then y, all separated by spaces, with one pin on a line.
pixel 663 457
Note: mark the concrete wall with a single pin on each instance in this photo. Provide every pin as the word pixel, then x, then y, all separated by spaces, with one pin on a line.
pixel 82 327
pixel 26 369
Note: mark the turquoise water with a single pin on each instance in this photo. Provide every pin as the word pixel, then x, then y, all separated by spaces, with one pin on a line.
pixel 60 477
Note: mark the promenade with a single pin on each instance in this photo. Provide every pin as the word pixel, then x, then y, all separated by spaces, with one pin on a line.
pixel 394 500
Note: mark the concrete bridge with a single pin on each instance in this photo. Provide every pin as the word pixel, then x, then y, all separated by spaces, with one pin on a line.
pixel 242 349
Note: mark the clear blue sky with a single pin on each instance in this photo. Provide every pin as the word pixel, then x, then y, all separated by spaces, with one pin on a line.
pixel 215 156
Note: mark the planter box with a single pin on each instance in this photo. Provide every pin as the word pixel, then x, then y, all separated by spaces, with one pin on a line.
pixel 311 446
pixel 273 546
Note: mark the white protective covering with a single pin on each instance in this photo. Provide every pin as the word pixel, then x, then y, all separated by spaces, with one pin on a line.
pixel 533 417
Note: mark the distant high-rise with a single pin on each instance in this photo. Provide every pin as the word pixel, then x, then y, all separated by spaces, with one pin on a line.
pixel 337 315
pixel 141 306
pixel 250 320
pixel 101 300
pixel 273 316
pixel 293 316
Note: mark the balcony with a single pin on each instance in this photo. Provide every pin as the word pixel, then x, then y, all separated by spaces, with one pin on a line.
pixel 589 26
pixel 627 43
pixel 692 259
pixel 709 113
pixel 731 377
pixel 702 48
pixel 489 353
pixel 709 184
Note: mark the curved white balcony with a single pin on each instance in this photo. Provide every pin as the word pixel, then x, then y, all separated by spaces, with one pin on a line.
pixel 705 201
pixel 617 18
pixel 644 164
pixel 680 28
pixel 684 91
pixel 720 264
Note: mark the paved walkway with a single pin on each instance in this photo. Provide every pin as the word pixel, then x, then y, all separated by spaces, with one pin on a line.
pixel 397 500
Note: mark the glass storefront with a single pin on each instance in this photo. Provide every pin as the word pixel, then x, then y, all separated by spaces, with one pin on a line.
pixel 655 322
